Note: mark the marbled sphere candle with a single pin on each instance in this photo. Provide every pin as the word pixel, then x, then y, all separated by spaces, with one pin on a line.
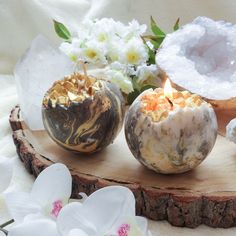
pixel 170 133
pixel 83 114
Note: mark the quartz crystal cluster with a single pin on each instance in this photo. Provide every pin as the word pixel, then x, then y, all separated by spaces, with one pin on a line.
pixel 35 72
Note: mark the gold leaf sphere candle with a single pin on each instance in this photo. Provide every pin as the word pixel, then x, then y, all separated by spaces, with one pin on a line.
pixel 170 131
pixel 83 114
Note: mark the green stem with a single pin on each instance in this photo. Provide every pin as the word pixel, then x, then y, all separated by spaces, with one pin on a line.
pixel 6 223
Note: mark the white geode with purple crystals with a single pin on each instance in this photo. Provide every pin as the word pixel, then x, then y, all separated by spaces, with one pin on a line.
pixel 201 57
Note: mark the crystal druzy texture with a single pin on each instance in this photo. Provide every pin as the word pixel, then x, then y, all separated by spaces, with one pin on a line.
pixel 201 57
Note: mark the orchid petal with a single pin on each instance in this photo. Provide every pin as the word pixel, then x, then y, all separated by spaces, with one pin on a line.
pixel 136 226
pixel 35 216
pixel 109 205
pixel 53 184
pixel 20 205
pixel 2 234
pixel 72 216
pixel 142 224
pixel 77 232
pixel 36 228
pixel 6 171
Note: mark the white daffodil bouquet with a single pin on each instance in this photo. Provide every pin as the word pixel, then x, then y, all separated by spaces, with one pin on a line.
pixel 125 55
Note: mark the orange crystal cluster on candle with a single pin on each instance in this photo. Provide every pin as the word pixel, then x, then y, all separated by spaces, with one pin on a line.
pixel 157 105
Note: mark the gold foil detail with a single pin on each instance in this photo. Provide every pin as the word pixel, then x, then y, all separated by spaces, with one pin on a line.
pixel 73 88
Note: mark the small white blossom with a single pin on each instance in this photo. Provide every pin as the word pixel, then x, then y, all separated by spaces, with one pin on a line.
pixel 94 53
pixel 72 50
pixel 135 29
pixel 135 52
pixel 114 50
pixel 124 68
pixel 121 80
pixel 146 73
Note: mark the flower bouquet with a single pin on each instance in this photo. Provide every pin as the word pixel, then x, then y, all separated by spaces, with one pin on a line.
pixel 125 55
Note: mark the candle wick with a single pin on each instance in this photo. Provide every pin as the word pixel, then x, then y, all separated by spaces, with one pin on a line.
pixel 171 103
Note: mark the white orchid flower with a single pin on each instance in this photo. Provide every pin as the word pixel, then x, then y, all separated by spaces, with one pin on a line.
pixel 107 212
pixel 40 227
pixel 50 192
pixel 6 171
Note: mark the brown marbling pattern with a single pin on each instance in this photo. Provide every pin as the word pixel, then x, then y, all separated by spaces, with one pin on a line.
pixel 87 126
pixel 175 145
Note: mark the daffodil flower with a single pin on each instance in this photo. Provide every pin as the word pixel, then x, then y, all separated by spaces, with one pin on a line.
pixel 50 192
pixel 107 212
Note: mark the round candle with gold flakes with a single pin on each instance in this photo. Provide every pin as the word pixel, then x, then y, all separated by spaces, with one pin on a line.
pixel 83 114
pixel 170 131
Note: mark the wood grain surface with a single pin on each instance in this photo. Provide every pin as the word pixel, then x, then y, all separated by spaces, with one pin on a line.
pixel 205 195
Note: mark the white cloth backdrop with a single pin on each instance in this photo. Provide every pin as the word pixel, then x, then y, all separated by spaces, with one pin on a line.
pixel 22 20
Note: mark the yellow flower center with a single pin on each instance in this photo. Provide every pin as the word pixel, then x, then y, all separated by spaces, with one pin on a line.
pixel 91 53
pixel 73 57
pixel 102 37
pixel 132 57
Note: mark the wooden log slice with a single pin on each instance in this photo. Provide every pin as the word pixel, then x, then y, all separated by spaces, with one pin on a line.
pixel 205 195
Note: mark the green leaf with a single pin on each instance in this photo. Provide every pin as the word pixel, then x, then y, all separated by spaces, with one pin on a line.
pixel 62 31
pixel 155 29
pixel 135 83
pixel 151 60
pixel 131 96
pixel 151 53
pixel 153 37
pixel 155 44
pixel 176 26
pixel 147 87
pixel 155 40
